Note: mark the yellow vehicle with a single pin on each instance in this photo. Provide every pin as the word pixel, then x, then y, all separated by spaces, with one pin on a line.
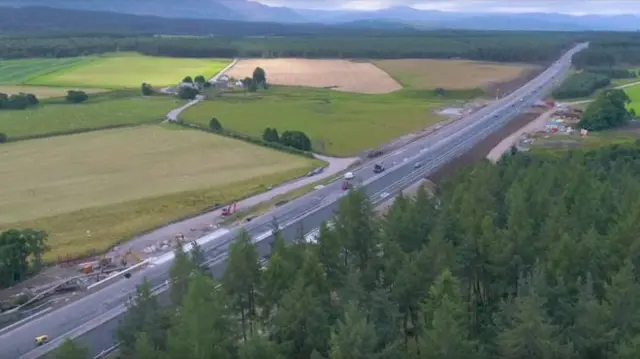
pixel 41 339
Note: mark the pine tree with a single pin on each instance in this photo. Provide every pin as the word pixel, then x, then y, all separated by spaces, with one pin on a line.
pixel 356 229
pixel 302 324
pixel 623 297
pixel 591 333
pixel 179 274
pixel 259 347
pixel 143 315
pixel 203 328
pixel 356 338
pixel 241 280
pixel 198 258
pixel 330 253
pixel 445 333
pixel 527 332
pixel 276 279
pixel 144 348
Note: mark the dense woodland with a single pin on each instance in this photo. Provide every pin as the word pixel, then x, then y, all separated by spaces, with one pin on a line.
pixel 611 50
pixel 535 257
pixel 479 46
pixel 43 32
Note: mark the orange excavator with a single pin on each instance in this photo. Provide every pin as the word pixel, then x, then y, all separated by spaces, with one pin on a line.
pixel 229 210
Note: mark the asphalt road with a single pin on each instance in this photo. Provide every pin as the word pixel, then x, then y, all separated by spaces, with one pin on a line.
pixel 91 319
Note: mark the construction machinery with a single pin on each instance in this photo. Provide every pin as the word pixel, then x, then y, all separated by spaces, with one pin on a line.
pixel 130 258
pixel 229 210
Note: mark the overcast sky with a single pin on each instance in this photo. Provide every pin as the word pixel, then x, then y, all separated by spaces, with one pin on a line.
pixel 577 7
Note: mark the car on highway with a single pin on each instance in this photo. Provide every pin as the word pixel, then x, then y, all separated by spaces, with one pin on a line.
pixel 378 168
pixel 42 339
pixel 417 165
pixel 384 195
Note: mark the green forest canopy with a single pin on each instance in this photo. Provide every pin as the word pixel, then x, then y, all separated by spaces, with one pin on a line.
pixel 534 257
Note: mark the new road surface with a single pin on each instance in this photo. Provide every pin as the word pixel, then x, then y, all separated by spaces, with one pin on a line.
pixel 91 320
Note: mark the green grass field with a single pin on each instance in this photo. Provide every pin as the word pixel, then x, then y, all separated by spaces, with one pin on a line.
pixel 114 184
pixel 130 70
pixel 340 124
pixel 634 94
pixel 16 72
pixel 99 111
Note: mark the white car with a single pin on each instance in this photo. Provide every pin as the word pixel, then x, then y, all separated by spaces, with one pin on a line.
pixel 417 165
pixel 349 175
pixel 384 195
pixel 318 187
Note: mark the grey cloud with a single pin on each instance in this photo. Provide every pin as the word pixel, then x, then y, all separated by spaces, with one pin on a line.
pixel 560 6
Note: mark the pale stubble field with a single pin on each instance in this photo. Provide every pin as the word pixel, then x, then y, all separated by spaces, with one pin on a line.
pixel 340 75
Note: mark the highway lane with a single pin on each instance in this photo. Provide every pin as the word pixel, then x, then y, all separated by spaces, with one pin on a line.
pixel 451 140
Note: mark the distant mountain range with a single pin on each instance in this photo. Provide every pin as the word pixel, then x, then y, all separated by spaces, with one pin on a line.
pixel 245 10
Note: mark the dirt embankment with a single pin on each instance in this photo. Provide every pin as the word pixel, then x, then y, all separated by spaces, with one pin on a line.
pixel 481 150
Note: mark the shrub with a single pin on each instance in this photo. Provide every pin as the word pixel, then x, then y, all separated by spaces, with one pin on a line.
pixel 296 139
pixel 146 89
pixel 187 93
pixel 76 96
pixel 3 137
pixel 215 125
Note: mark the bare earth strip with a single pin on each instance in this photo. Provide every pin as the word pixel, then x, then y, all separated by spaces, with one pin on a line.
pixel 341 75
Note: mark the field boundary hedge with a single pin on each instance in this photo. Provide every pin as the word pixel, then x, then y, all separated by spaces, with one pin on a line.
pixel 246 138
pixel 78 131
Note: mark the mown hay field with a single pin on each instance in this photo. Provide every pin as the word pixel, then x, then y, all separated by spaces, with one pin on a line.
pixel 129 70
pixel 450 74
pixel 338 123
pixel 340 75
pixel 101 111
pixel 22 70
pixel 90 191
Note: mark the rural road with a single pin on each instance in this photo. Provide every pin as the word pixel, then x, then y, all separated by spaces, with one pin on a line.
pixel 91 320
pixel 173 114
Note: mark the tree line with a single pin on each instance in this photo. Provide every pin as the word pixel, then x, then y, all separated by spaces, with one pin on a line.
pixel 295 139
pixel 534 257
pixel 21 253
pixel 610 50
pixel 591 79
pixel 581 84
pixel 608 110
pixel 500 47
